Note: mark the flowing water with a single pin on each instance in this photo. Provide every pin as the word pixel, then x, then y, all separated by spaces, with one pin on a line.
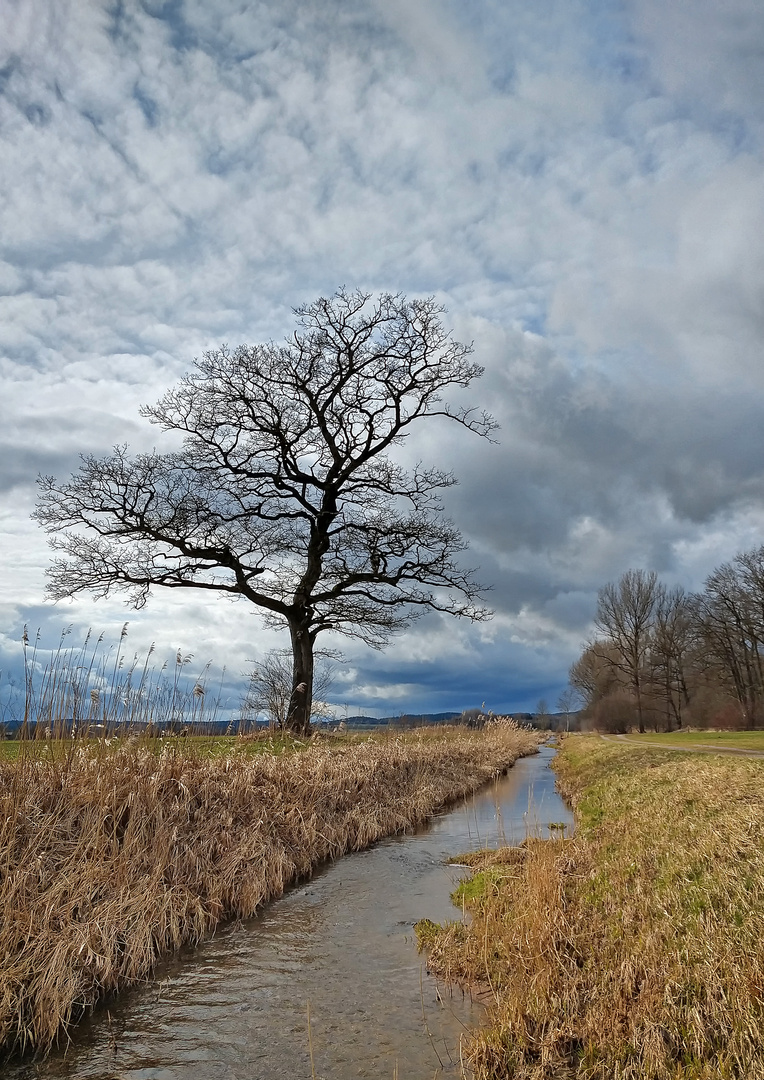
pixel 340 947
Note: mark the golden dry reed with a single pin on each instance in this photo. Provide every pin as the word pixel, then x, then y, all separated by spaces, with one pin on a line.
pixel 633 949
pixel 112 858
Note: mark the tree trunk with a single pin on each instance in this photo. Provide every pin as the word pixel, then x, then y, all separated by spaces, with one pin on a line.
pixel 638 693
pixel 301 699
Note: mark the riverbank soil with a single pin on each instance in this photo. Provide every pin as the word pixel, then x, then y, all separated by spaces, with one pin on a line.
pixel 112 857
pixel 632 949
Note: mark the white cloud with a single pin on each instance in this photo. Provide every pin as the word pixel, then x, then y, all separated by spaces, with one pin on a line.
pixel 572 183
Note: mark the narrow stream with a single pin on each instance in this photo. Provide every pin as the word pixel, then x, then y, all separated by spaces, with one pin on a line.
pixel 236 1007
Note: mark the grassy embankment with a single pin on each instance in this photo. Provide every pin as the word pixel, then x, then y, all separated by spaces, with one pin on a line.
pixel 632 949
pixel 113 856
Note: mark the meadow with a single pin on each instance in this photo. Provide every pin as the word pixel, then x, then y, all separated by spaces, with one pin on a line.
pixel 116 852
pixel 724 740
pixel 631 949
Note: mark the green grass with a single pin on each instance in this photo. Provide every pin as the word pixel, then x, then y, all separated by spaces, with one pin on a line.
pixel 474 890
pixel 212 746
pixel 735 740
pixel 216 746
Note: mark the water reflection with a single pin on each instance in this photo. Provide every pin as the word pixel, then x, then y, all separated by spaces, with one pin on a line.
pixel 342 945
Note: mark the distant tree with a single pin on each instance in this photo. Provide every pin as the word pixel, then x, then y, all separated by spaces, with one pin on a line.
pixel 672 644
pixel 678 657
pixel 625 615
pixel 730 613
pixel 269 687
pixel 567 704
pixel 285 492
pixel 614 713
pixel 595 674
pixel 542 720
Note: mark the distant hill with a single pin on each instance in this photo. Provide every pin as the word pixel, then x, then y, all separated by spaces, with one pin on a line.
pixel 404 719
pixel 553 721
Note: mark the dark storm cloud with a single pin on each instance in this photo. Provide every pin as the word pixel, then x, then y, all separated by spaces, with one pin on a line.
pixel 579 184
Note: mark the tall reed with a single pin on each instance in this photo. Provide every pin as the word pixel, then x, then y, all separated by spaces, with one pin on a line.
pixel 96 688
pixel 112 858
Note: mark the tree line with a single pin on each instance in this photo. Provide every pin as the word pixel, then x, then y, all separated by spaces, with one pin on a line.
pixel 664 658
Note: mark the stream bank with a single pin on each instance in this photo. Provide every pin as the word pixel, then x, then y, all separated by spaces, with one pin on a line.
pixel 235 1008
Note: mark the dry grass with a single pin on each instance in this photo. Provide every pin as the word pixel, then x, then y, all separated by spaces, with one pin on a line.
pixel 95 687
pixel 112 858
pixel 632 950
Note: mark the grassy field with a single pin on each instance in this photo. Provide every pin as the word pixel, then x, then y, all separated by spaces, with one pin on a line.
pixel 735 740
pixel 114 855
pixel 204 746
pixel 632 949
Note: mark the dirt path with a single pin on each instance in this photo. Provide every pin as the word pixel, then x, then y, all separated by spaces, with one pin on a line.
pixel 698 748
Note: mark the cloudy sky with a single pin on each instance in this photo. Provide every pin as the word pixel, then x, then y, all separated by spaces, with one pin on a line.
pixel 579 183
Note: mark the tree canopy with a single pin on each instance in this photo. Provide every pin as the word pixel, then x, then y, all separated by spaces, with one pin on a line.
pixel 285 491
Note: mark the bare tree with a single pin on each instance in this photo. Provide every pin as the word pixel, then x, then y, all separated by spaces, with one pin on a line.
pixel 594 675
pixel 730 614
pixel 672 643
pixel 625 614
pixel 602 688
pixel 672 653
pixel 567 702
pixel 285 492
pixel 269 687
pixel 474 717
